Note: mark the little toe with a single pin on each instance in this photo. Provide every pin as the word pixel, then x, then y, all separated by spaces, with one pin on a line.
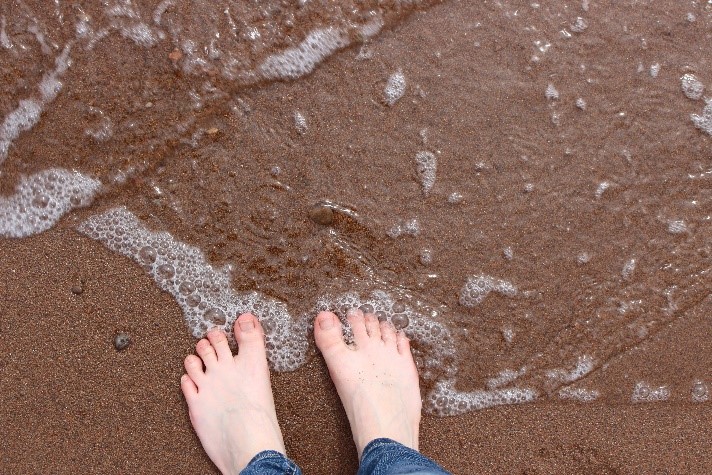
pixel 327 333
pixel 358 325
pixel 373 326
pixel 250 337
pixel 218 340
pixel 388 333
pixel 190 390
pixel 194 368
pixel 403 344
pixel 206 352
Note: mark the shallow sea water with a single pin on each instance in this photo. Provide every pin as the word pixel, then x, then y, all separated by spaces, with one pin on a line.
pixel 524 188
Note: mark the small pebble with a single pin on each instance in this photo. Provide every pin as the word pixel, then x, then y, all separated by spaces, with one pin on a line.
pixel 77 290
pixel 321 214
pixel 175 55
pixel 121 341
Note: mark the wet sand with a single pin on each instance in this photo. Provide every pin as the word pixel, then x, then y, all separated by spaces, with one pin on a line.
pixel 575 193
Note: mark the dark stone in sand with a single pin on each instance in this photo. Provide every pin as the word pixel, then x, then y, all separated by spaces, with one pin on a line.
pixel 77 289
pixel 321 214
pixel 121 341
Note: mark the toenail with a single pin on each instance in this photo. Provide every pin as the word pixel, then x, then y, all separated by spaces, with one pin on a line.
pixel 326 323
pixel 247 325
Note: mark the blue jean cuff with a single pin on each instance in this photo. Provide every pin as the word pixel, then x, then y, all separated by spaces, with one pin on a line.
pixel 387 457
pixel 271 462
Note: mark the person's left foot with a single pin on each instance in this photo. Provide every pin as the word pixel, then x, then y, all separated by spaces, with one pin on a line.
pixel 230 402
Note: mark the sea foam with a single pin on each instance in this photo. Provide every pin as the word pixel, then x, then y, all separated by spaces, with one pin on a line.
pixel 201 290
pixel 40 200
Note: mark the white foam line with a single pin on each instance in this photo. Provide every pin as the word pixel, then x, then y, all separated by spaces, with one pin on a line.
pixel 28 112
pixel 203 292
pixel 300 60
pixel 40 200
pixel 161 9
pixel 5 41
pixel 445 400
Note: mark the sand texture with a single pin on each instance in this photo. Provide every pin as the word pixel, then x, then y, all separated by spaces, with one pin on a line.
pixel 555 154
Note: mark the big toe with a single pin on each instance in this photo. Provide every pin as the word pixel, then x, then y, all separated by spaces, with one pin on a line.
pixel 327 333
pixel 249 336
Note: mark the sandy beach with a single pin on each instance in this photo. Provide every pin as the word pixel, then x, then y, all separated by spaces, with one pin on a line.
pixel 558 153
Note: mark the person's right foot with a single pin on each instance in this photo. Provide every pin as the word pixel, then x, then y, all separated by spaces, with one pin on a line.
pixel 376 378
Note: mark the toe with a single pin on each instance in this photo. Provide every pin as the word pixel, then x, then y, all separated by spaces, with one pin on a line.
pixel 328 334
pixel 194 367
pixel 373 326
pixel 190 390
pixel 358 325
pixel 206 352
pixel 403 344
pixel 388 333
pixel 218 340
pixel 250 337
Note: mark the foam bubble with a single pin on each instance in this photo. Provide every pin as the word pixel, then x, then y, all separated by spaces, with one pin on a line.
pixel 455 198
pixel 410 227
pixel 300 122
pixel 433 345
pixel 508 253
pixel 161 9
pixel 141 34
pixel 581 103
pixel 583 258
pixel 628 269
pixel 293 63
pixel 395 88
pixel 654 70
pixel 202 291
pixel 691 86
pixel 505 377
pixel 579 394
pixel 700 391
pixel 643 392
pixel 579 25
pixel 602 187
pixel 21 119
pixel 426 257
pixel 28 112
pixel 677 226
pixel 426 168
pixel 40 200
pixel 445 400
pixel 5 41
pixel 551 93
pixel 478 287
pixel 704 121
pixel 584 365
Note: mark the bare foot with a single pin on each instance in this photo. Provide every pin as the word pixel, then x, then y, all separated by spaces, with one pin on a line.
pixel 230 402
pixel 376 378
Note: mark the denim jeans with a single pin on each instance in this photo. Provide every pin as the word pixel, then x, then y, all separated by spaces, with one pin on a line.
pixel 380 457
